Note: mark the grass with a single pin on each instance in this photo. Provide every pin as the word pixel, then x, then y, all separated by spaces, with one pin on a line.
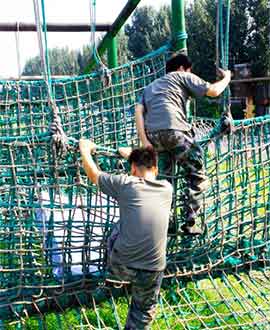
pixel 226 302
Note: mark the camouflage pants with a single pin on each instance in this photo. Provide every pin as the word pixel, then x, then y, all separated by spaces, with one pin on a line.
pixel 145 287
pixel 188 153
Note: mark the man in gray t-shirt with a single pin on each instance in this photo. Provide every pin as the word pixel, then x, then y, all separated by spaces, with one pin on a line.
pixel 138 253
pixel 161 121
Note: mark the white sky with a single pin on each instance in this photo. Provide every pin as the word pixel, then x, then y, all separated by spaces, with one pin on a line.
pixel 56 11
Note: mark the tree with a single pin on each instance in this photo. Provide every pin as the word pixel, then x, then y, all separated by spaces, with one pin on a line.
pixel 123 51
pixel 201 26
pixel 239 32
pixel 162 27
pixel 200 20
pixel 259 37
pixel 62 62
pixel 84 56
pixel 148 30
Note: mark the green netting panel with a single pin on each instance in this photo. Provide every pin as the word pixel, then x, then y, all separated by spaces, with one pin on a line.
pixel 54 223
pixel 229 301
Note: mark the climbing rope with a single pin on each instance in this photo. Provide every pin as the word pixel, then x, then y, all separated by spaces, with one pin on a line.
pixel 60 142
pixel 17 42
pixel 101 67
pixel 43 45
pixel 225 125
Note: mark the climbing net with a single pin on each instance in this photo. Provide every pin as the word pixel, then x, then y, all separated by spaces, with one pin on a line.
pixel 54 222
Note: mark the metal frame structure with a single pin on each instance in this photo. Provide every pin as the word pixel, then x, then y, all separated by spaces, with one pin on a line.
pixel 109 42
pixel 53 27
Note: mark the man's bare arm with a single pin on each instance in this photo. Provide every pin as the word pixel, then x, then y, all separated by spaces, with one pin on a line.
pixel 90 167
pixel 139 110
pixel 218 87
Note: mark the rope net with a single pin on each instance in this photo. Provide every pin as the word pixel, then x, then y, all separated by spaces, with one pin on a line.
pixel 54 222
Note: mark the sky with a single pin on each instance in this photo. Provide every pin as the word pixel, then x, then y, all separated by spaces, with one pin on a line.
pixel 76 11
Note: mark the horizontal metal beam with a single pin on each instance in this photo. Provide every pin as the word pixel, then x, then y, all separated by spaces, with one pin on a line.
pixel 53 27
pixel 249 80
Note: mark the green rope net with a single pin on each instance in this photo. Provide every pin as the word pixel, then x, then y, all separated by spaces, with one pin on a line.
pixel 54 223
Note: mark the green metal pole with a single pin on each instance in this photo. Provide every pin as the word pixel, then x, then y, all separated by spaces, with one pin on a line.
pixel 112 53
pixel 115 28
pixel 179 35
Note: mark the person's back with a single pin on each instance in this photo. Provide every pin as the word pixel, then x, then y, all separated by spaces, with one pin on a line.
pixel 165 100
pixel 144 217
pixel 162 124
pixel 137 244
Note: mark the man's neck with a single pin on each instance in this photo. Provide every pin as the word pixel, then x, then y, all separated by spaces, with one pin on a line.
pixel 147 175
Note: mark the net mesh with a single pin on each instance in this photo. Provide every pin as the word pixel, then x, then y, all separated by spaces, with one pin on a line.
pixel 54 222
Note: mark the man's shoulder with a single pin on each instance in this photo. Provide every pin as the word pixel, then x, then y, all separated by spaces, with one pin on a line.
pixel 167 185
pixel 114 177
pixel 182 75
pixel 111 179
pixel 178 78
pixel 162 184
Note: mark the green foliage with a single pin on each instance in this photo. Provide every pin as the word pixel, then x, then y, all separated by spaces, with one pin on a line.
pixel 203 304
pixel 239 32
pixel 123 51
pixel 148 30
pixel 201 37
pixel 259 36
pixel 84 56
pixel 63 61
pixel 249 35
pixel 207 108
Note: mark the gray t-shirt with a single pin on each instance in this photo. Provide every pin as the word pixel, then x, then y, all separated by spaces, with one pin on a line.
pixel 165 100
pixel 144 218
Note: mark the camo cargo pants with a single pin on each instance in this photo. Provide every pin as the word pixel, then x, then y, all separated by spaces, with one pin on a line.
pixel 145 287
pixel 183 148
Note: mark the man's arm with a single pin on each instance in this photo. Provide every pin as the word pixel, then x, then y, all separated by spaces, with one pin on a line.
pixel 218 87
pixel 139 110
pixel 86 148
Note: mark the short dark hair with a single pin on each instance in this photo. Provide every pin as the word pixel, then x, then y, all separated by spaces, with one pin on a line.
pixel 143 157
pixel 176 61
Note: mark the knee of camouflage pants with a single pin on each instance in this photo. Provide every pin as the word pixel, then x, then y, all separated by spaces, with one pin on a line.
pixel 145 287
pixel 196 182
pixel 189 155
pixel 145 291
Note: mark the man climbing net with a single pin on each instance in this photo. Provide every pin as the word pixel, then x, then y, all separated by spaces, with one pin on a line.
pixel 137 251
pixel 162 123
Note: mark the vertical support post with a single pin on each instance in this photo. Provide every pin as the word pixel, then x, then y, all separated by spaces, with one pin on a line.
pixel 179 35
pixel 115 28
pixel 112 53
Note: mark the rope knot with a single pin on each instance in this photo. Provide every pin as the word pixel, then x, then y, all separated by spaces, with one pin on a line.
pixel 60 141
pixel 106 76
pixel 226 122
